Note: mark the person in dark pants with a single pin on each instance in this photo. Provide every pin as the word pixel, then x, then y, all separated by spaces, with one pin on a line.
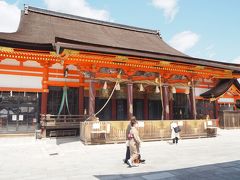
pixel 127 154
pixel 174 133
pixel 127 143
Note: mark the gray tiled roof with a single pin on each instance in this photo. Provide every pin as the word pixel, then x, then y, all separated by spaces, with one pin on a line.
pixel 44 27
pixel 45 30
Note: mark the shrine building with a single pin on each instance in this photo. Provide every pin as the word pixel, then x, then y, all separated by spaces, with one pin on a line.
pixel 66 65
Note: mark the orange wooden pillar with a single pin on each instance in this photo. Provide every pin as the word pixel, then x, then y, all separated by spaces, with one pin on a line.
pixel 92 92
pixel 193 112
pixel 81 100
pixel 130 100
pixel 216 109
pixel 114 112
pixel 171 107
pixel 165 91
pixel 44 103
pixel 44 98
pixel 45 90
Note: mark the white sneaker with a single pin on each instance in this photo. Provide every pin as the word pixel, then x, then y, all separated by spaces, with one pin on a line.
pixel 129 163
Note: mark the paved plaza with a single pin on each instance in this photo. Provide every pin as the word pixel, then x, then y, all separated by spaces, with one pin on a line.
pixel 67 158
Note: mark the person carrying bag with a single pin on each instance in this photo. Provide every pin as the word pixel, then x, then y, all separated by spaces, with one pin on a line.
pixel 134 144
pixel 175 132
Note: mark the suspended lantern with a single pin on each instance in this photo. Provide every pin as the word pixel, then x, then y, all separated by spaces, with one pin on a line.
pixel 187 90
pixel 118 88
pixel 104 92
pixel 157 90
pixel 141 89
pixel 174 90
pixel 85 111
pixel 180 112
pixel 105 85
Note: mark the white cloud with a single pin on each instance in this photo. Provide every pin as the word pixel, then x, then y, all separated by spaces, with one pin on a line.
pixel 10 17
pixel 184 41
pixel 210 51
pixel 236 60
pixel 169 7
pixel 77 7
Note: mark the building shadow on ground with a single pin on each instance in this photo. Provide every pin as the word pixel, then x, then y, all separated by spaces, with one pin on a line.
pixel 227 170
pixel 64 140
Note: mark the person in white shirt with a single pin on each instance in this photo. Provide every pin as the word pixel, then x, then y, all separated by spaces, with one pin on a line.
pixel 174 134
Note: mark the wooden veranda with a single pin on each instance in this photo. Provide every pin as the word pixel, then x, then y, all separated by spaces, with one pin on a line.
pixel 115 131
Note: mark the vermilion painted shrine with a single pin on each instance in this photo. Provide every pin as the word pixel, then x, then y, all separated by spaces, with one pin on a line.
pixel 52 50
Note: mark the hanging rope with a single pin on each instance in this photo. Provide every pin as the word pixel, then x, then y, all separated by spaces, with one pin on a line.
pixel 160 84
pixel 64 99
pixel 64 96
pixel 116 84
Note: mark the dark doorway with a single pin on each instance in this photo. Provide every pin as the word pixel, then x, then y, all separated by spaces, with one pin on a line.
pixel 121 108
pixel 19 111
pixel 181 106
pixel 106 113
pixel 138 108
pixel 155 109
pixel 55 98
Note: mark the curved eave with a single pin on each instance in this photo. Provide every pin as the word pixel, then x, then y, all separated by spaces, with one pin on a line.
pixel 76 45
pixel 221 88
pixel 26 45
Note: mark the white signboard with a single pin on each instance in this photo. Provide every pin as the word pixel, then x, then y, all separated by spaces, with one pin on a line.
pixel 17 81
pixel 209 123
pixel 226 100
pixel 96 126
pixel 20 118
pixel 14 117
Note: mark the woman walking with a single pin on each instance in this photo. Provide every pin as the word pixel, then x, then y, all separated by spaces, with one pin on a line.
pixel 134 143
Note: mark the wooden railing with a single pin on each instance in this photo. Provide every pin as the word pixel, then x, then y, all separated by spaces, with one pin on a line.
pixel 48 120
pixel 229 119
pixel 92 132
pixel 59 122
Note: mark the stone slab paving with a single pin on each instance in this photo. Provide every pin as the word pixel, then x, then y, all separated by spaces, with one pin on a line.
pixel 67 158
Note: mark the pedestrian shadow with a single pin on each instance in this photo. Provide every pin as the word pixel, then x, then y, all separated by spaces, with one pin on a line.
pixel 169 142
pixel 228 170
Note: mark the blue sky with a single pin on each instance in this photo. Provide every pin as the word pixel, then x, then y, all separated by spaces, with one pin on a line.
pixel 205 28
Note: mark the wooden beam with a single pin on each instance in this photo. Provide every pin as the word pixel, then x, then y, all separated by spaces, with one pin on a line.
pixel 21 73
pixel 20 89
pixel 128 62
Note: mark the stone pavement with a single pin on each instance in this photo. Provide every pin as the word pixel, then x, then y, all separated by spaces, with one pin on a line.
pixel 67 158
